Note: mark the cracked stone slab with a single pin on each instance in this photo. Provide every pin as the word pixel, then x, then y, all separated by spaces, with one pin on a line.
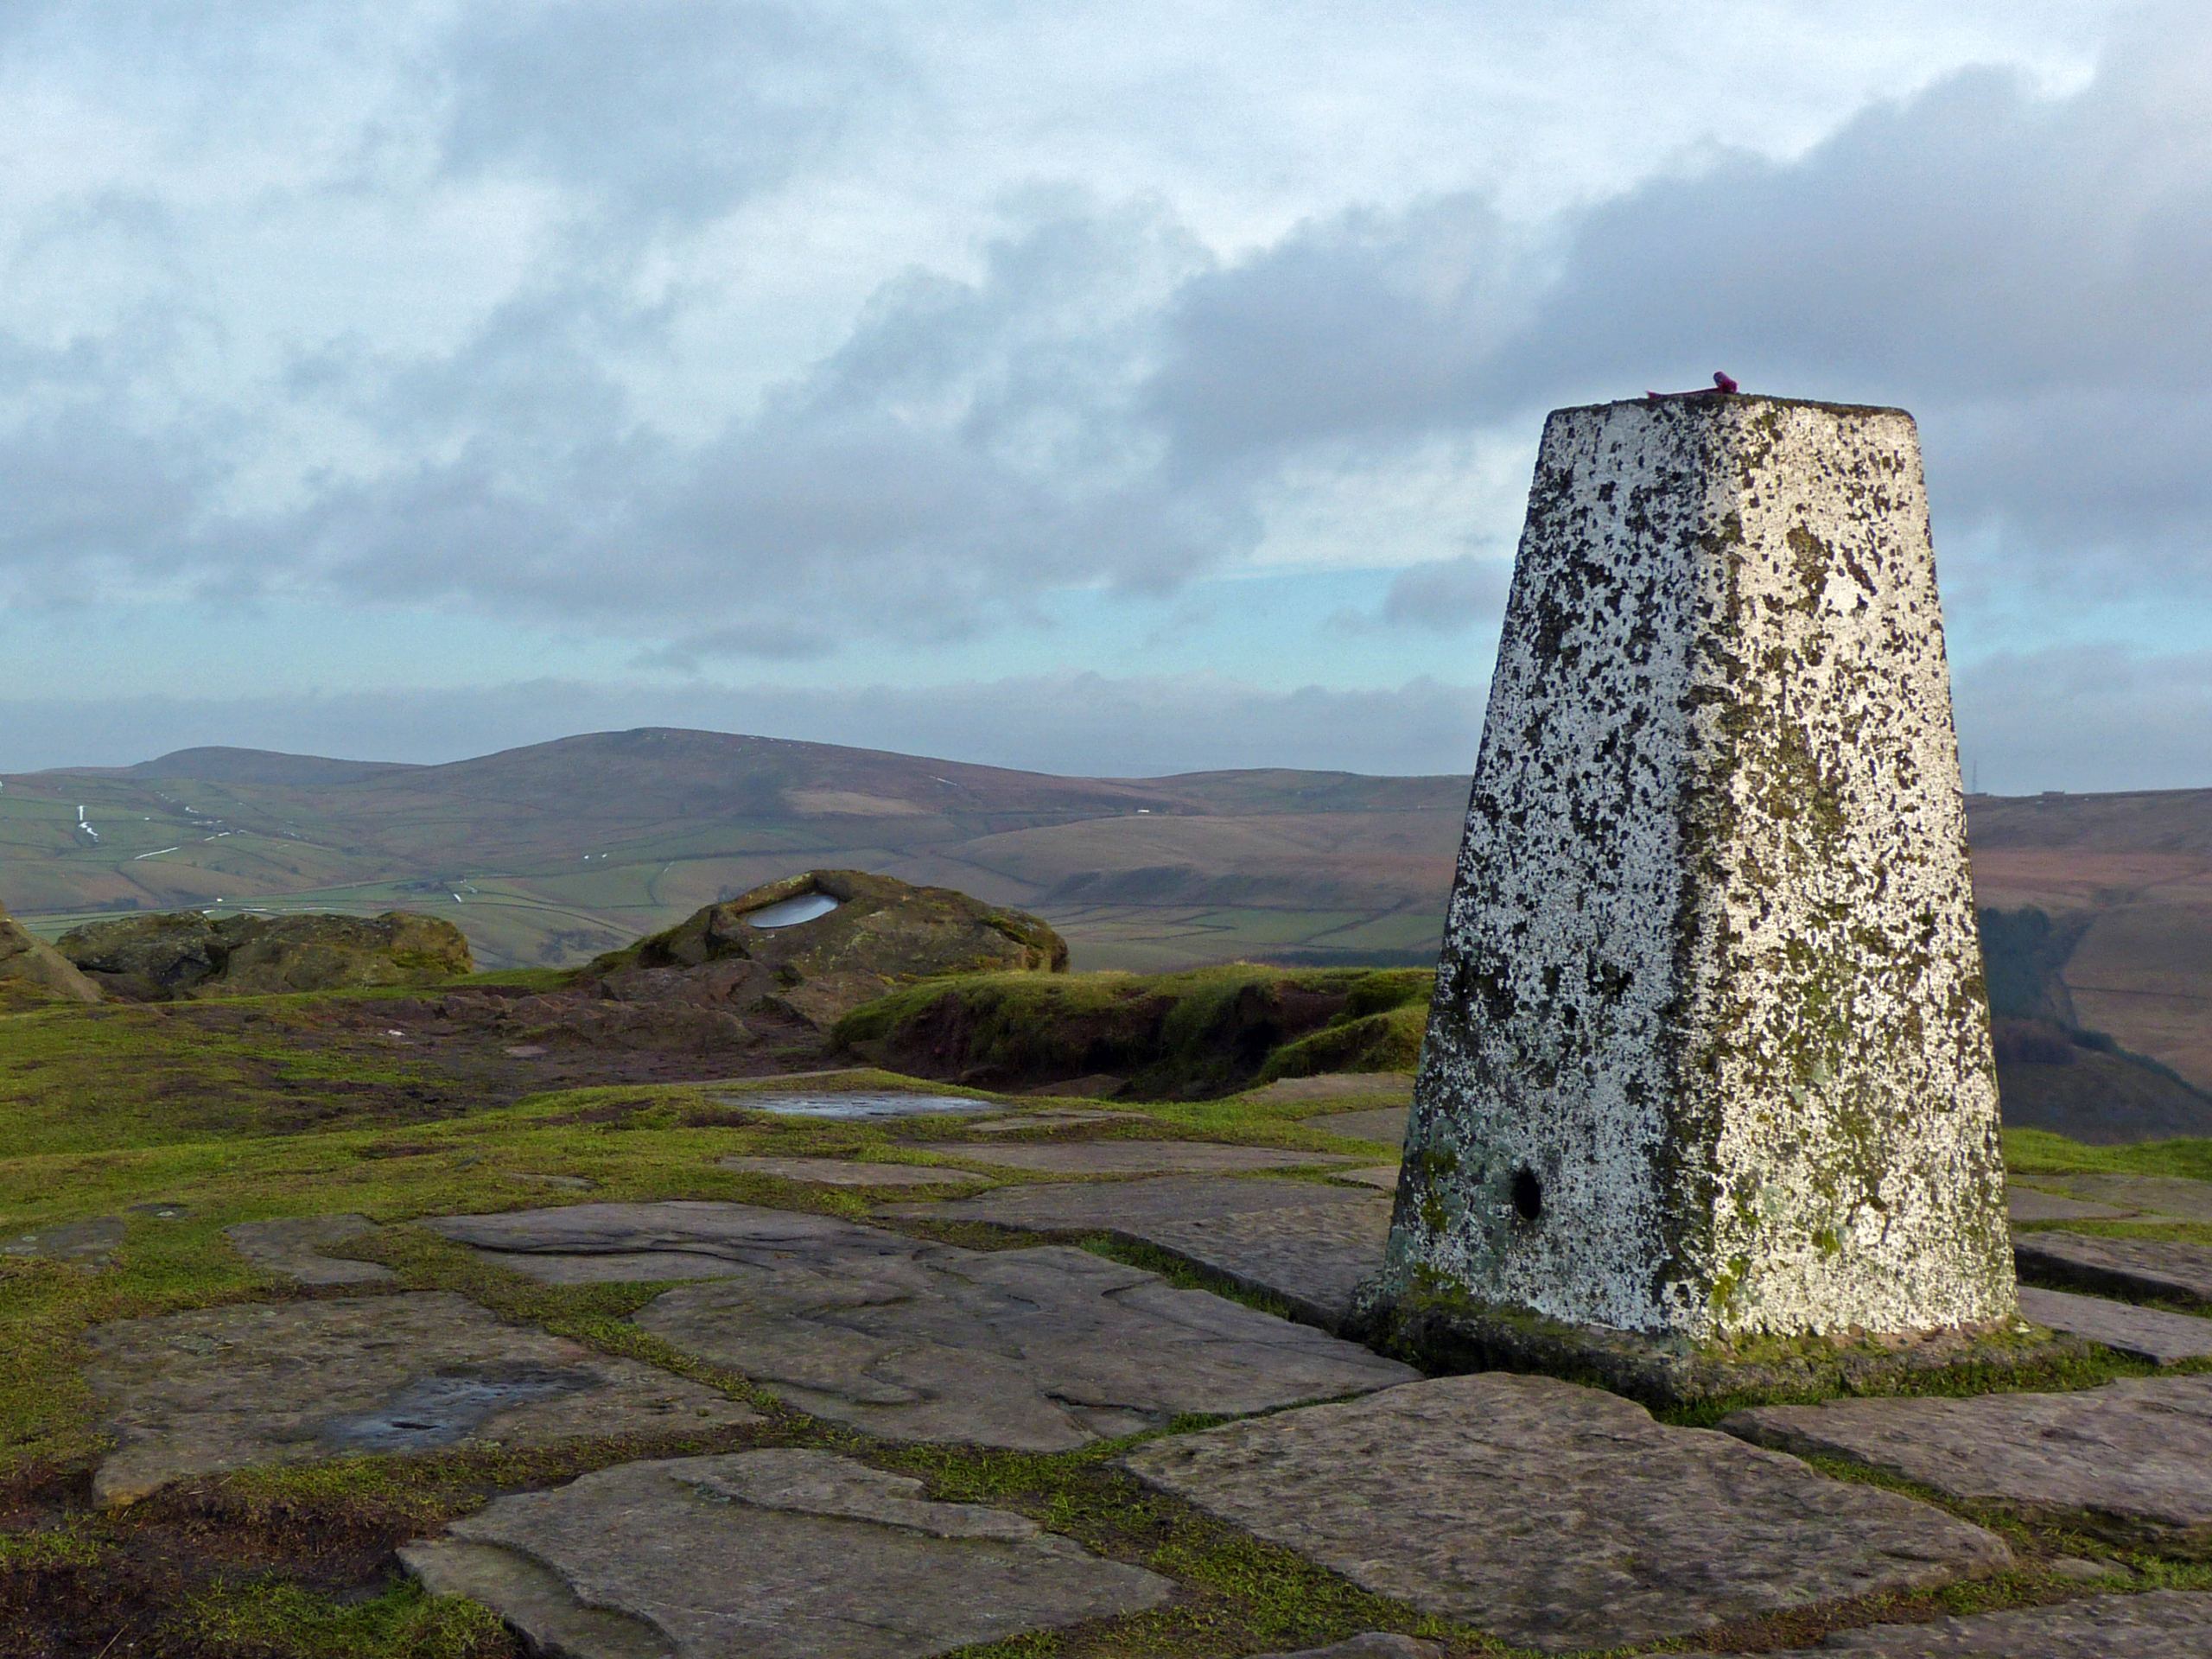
pixel 770 1554
pixel 1038 1349
pixel 2152 1333
pixel 2164 1268
pixel 2131 1459
pixel 1309 1244
pixel 599 1243
pixel 1130 1157
pixel 293 1248
pixel 2158 1625
pixel 1387 1124
pixel 223 1388
pixel 2032 1204
pixel 1558 1516
pixel 844 1172
pixel 79 1243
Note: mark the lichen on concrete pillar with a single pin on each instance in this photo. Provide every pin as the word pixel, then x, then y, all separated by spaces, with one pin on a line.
pixel 1709 1054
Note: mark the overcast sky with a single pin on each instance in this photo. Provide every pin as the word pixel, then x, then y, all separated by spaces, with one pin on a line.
pixel 1097 387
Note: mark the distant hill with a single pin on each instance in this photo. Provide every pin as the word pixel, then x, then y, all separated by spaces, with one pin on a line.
pixel 558 851
pixel 2126 882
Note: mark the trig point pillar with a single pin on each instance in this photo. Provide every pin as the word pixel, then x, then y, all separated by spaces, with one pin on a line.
pixel 1710 1052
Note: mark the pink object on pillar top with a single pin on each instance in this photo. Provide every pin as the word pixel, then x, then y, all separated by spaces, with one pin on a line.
pixel 1722 386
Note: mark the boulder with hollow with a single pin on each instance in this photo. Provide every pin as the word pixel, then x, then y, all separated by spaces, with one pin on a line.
pixel 877 932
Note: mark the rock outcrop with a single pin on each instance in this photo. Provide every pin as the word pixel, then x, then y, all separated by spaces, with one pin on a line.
pixel 184 953
pixel 32 973
pixel 867 933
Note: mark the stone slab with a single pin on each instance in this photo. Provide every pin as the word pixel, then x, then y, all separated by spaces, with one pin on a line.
pixel 1309 1244
pixel 1334 1085
pixel 1376 1644
pixel 1387 1125
pixel 1038 1349
pixel 1056 1119
pixel 2151 1333
pixel 844 1172
pixel 1077 1158
pixel 598 1243
pixel 2173 1196
pixel 79 1243
pixel 1558 1516
pixel 293 1248
pixel 2031 1203
pixel 223 1388
pixel 2159 1625
pixel 2165 1268
pixel 769 1554
pixel 2132 1459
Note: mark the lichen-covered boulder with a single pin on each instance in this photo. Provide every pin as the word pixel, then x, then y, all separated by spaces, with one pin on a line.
pixel 33 974
pixel 157 958
pixel 818 945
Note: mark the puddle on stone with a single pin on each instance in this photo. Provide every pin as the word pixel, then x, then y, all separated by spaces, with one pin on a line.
pixel 859 1105
pixel 788 912
pixel 436 1411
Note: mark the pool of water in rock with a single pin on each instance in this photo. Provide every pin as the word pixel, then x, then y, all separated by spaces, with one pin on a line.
pixel 788 912
pixel 859 1105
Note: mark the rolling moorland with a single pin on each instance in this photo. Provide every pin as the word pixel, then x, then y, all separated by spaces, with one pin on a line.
pixel 313 1284
pixel 548 854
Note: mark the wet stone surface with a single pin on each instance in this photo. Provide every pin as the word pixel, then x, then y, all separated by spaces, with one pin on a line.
pixel 2152 1333
pixel 859 1108
pixel 191 1393
pixel 1128 1157
pixel 1558 1516
pixel 80 1244
pixel 1308 1244
pixel 294 1248
pixel 1041 1349
pixel 2132 1459
pixel 2161 1625
pixel 770 1554
pixel 2148 1268
pixel 842 1171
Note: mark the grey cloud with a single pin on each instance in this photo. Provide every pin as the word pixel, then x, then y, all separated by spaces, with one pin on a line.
pixel 1361 328
pixel 1105 403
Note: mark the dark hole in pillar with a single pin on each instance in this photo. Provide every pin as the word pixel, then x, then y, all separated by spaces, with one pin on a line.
pixel 1528 1194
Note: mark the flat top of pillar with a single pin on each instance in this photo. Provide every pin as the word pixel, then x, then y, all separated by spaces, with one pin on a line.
pixel 1708 402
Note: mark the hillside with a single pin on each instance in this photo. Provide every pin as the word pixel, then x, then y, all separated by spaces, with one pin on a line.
pixel 2130 876
pixel 553 853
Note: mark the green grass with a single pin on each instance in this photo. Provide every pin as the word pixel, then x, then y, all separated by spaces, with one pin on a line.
pixel 104 1109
